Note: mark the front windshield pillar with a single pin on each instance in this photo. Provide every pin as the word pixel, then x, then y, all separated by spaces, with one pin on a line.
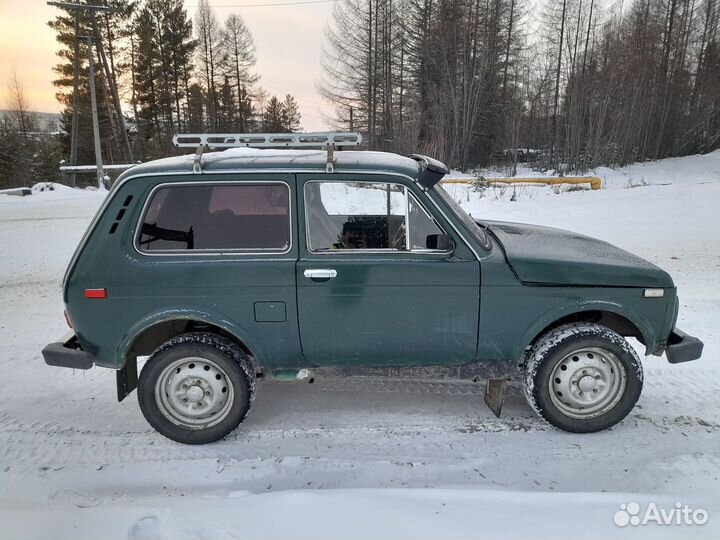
pixel 472 227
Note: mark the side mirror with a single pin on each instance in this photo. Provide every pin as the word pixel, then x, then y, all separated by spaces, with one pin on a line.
pixel 440 242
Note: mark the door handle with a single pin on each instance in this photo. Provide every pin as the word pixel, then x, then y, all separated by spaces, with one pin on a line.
pixel 320 273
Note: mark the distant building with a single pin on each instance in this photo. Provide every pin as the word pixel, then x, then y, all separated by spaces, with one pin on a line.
pixel 43 122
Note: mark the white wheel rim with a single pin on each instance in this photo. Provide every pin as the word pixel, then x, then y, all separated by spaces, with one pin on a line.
pixel 194 393
pixel 587 383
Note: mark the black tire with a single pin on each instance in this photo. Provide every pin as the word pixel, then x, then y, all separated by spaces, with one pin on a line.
pixel 557 362
pixel 223 364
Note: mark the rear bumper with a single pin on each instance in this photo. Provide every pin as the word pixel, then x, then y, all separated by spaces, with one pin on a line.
pixel 682 348
pixel 67 353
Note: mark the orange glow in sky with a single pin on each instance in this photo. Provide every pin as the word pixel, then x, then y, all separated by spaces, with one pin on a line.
pixel 288 40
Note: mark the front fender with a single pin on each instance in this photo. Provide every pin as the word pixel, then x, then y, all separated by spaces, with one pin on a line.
pixel 186 314
pixel 571 308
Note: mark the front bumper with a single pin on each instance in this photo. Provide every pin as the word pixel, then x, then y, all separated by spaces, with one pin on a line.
pixel 68 353
pixel 682 348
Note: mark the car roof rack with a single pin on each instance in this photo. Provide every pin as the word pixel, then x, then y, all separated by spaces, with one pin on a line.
pixel 325 140
pixel 268 140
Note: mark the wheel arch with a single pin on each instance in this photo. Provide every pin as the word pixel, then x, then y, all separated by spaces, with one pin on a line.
pixel 619 318
pixel 155 329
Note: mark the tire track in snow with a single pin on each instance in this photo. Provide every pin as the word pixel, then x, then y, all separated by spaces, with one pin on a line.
pixel 28 445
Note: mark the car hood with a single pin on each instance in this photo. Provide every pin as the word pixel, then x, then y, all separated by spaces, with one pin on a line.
pixel 545 255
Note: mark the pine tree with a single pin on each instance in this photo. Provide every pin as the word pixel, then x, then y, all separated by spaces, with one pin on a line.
pixel 227 108
pixel 162 61
pixel 179 35
pixel 196 108
pixel 290 115
pixel 12 162
pixel 273 116
pixel 146 69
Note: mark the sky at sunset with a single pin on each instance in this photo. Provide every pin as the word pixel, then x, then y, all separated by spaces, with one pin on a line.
pixel 288 40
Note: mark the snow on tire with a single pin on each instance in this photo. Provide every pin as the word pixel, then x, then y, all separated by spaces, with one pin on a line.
pixel 582 377
pixel 196 388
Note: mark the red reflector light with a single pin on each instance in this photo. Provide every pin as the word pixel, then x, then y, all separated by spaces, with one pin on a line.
pixel 95 293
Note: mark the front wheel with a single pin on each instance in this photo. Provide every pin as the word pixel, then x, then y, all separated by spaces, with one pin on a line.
pixel 582 377
pixel 196 388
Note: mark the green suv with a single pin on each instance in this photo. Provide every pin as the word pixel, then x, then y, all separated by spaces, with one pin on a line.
pixel 247 264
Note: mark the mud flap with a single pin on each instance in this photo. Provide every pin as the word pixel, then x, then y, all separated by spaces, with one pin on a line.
pixel 127 379
pixel 495 395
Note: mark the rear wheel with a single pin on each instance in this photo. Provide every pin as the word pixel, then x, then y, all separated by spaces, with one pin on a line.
pixel 583 377
pixel 196 388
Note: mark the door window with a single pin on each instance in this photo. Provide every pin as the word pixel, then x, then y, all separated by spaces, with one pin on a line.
pixel 374 216
pixel 217 217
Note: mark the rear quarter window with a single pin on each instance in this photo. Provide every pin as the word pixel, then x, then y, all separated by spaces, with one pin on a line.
pixel 217 217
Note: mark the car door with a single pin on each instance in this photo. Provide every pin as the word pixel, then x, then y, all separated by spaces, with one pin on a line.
pixel 222 248
pixel 369 290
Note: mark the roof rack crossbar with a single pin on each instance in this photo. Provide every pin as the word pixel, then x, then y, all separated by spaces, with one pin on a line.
pixel 267 140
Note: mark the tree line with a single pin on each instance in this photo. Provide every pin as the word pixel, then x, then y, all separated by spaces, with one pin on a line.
pixel 570 84
pixel 25 152
pixel 177 74
pixel 566 84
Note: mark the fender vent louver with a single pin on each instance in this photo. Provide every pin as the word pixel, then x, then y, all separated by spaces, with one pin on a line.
pixel 120 214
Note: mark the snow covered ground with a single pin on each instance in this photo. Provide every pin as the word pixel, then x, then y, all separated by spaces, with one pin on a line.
pixel 362 458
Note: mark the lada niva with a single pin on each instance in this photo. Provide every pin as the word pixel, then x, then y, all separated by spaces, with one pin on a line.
pixel 230 266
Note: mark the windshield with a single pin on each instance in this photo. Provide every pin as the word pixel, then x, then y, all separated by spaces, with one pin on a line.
pixel 470 224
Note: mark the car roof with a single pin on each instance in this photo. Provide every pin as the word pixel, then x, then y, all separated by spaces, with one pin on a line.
pixel 235 159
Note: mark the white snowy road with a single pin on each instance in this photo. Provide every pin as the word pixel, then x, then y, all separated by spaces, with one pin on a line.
pixel 316 461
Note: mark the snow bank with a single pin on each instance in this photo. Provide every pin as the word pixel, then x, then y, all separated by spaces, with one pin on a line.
pixel 692 169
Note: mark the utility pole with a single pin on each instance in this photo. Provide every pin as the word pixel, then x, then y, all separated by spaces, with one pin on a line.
pixel 96 124
pixel 109 78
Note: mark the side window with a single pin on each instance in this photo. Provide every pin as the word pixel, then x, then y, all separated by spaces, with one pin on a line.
pixel 217 217
pixel 365 215
pixel 422 225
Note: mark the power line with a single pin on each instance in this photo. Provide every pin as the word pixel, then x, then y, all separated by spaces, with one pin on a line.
pixel 271 4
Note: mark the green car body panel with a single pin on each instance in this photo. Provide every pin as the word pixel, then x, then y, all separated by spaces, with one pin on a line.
pixel 480 305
